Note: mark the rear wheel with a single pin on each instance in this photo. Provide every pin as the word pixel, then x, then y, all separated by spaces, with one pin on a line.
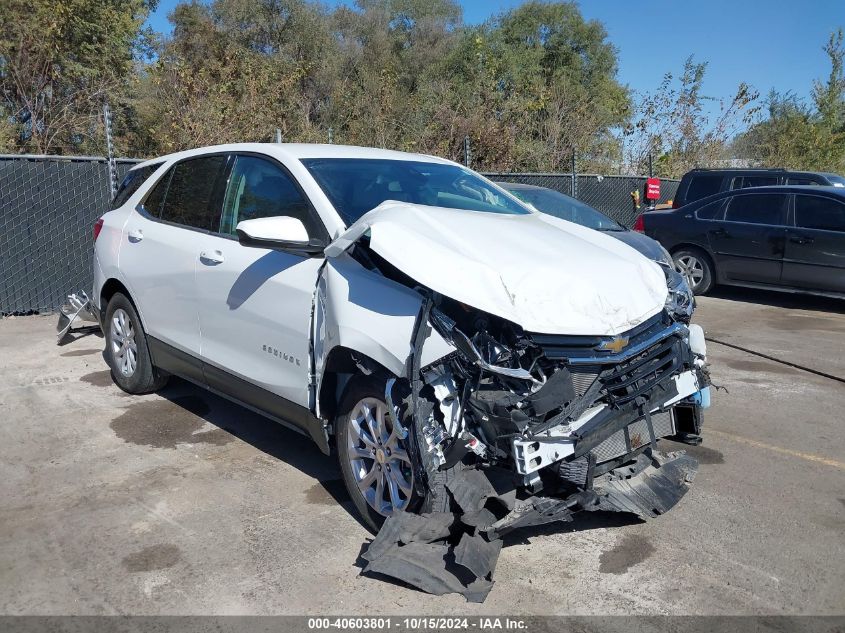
pixel 126 349
pixel 373 457
pixel 695 266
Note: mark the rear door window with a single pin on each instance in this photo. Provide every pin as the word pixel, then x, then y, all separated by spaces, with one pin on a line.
pixel 743 182
pixel 190 192
pixel 131 182
pixel 702 186
pixel 766 208
pixel 815 212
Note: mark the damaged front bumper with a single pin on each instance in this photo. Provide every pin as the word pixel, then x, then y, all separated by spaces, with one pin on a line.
pixel 516 430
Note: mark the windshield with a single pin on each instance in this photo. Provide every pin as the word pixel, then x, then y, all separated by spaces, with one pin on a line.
pixel 566 208
pixel 836 180
pixel 358 185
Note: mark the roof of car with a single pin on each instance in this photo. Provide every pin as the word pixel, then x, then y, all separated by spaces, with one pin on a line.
pixel 301 150
pixel 838 192
pixel 755 171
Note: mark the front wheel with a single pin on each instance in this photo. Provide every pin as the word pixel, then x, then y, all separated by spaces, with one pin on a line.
pixel 373 457
pixel 696 268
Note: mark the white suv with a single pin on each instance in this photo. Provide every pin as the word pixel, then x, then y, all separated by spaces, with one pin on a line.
pixel 402 310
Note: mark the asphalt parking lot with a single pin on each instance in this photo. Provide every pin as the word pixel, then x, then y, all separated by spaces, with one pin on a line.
pixel 181 503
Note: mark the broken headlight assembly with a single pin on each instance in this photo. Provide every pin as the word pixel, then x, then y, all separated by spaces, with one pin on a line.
pixel 680 301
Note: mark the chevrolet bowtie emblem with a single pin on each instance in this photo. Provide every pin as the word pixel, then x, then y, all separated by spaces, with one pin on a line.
pixel 614 345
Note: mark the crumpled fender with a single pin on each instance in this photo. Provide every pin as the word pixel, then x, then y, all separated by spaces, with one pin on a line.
pixel 364 311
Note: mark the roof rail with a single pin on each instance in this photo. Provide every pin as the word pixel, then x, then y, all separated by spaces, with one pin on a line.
pixel 778 169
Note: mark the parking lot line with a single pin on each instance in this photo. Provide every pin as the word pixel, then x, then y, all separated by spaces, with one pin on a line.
pixel 777 360
pixel 778 449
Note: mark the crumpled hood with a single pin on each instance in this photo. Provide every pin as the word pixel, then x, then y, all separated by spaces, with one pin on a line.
pixel 547 275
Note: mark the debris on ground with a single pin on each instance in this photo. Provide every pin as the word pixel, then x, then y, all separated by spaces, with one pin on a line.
pixel 457 551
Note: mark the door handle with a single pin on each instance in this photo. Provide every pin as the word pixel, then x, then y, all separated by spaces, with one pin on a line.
pixel 719 233
pixel 136 235
pixel 211 258
pixel 801 239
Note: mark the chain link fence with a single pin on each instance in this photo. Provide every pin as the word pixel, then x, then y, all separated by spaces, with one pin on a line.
pixel 48 206
pixel 609 194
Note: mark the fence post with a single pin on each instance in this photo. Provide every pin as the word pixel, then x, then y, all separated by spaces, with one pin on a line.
pixel 650 167
pixel 110 150
pixel 574 176
pixel 331 135
pixel 277 136
pixel 467 153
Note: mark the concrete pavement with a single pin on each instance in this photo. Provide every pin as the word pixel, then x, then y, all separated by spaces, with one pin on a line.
pixel 181 503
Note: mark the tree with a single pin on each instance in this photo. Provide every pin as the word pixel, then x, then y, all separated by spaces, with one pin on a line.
pixel 234 71
pixel 530 87
pixel 795 135
pixel 673 125
pixel 59 60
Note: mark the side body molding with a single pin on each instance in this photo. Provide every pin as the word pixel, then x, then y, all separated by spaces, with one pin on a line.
pixel 364 311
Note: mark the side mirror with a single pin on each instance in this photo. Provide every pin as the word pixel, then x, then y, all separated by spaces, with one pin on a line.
pixel 278 233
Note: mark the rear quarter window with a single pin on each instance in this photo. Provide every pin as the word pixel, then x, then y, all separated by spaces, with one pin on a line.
pixel 710 211
pixel 703 185
pixel 131 183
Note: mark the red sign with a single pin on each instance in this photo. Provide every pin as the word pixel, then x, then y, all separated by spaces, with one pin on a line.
pixel 652 189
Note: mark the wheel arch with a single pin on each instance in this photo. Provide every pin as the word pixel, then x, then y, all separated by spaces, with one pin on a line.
pixel 111 287
pixel 341 365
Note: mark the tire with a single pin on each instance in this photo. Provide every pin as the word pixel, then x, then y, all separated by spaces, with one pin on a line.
pixel 126 351
pixel 369 463
pixel 697 267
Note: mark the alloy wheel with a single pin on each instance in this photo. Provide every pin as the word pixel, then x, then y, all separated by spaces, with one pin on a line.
pixel 124 350
pixel 380 464
pixel 691 268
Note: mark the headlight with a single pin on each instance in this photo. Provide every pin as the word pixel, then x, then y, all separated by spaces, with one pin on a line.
pixel 680 301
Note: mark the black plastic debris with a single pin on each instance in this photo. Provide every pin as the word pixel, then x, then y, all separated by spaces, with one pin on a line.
pixel 478 555
pixel 426 566
pixel 652 487
pixel 457 551
pixel 408 528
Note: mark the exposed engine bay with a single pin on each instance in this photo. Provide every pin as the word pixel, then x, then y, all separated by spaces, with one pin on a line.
pixel 514 429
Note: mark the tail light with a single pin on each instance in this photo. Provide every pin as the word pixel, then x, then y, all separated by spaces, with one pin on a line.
pixel 639 224
pixel 98 226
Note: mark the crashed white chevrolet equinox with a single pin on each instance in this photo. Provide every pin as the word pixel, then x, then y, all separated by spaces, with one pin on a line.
pixel 414 317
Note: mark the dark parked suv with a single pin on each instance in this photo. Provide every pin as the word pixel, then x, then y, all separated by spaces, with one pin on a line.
pixel 700 183
pixel 784 238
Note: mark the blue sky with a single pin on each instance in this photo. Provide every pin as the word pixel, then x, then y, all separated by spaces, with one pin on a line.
pixel 766 43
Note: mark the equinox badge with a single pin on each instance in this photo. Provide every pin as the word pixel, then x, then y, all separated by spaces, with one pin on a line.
pixel 615 345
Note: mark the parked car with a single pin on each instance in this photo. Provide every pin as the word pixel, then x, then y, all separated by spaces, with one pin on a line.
pixel 570 209
pixel 700 183
pixel 781 238
pixel 408 314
